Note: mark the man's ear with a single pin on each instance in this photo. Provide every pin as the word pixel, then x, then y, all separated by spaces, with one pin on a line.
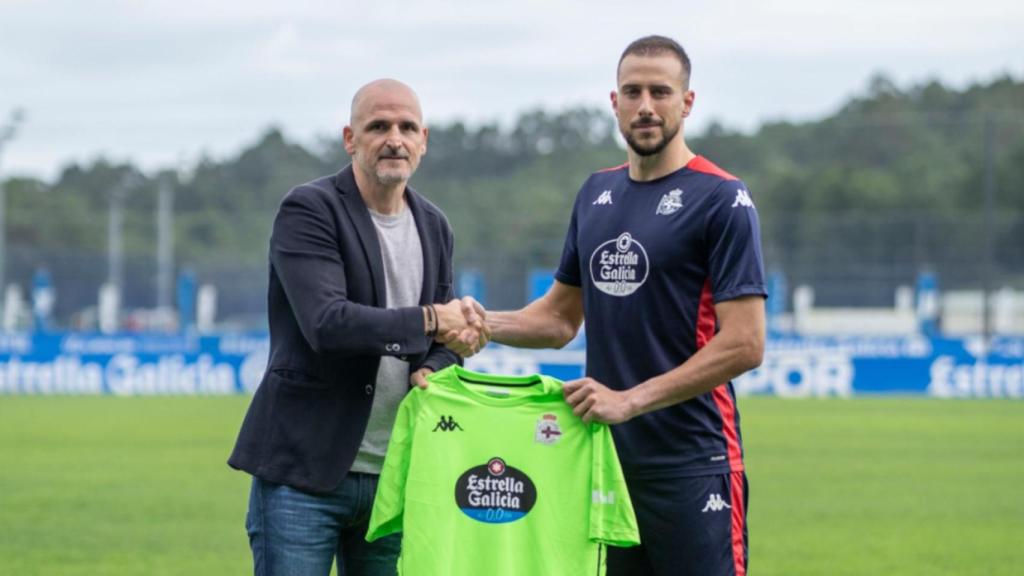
pixel 347 136
pixel 688 97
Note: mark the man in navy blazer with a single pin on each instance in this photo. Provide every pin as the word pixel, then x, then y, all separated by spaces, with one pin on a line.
pixel 360 287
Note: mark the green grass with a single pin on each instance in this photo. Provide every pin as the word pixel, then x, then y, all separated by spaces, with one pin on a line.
pixel 882 486
pixel 103 485
pixel 885 486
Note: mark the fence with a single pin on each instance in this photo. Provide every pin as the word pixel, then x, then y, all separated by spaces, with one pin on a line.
pixel 850 260
pixel 74 363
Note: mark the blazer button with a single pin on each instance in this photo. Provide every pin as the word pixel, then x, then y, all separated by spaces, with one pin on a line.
pixel 368 389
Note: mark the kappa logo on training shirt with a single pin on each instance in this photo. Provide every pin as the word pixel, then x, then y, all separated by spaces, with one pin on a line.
pixel 619 266
pixel 715 504
pixel 743 199
pixel 495 492
pixel 604 198
pixel 447 424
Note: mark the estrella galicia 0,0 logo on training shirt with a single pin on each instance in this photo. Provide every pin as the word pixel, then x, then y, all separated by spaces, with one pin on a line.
pixel 619 267
pixel 495 493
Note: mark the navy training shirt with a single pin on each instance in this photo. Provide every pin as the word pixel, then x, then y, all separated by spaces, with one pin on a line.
pixel 652 259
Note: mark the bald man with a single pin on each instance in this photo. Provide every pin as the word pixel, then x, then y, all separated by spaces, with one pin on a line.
pixel 360 287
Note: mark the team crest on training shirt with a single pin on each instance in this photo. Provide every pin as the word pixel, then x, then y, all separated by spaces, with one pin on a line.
pixel 548 431
pixel 671 202
pixel 619 266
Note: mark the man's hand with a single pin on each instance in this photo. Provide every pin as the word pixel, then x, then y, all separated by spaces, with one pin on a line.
pixel 472 335
pixel 450 318
pixel 419 377
pixel 595 402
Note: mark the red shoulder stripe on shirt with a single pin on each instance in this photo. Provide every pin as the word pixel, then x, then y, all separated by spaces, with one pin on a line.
pixel 706 318
pixel 614 168
pixel 726 404
pixel 702 164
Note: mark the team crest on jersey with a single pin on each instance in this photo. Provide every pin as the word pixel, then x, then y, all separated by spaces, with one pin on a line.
pixel 671 202
pixel 495 492
pixel 548 431
pixel 619 266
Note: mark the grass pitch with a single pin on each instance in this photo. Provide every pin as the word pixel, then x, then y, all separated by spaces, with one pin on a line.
pixel 870 486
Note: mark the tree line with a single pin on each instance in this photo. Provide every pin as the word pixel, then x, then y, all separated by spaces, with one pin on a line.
pixel 926 149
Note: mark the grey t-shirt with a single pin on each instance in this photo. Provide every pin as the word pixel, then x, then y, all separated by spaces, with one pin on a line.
pixel 403 275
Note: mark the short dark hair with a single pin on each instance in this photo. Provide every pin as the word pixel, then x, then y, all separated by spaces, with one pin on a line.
pixel 657 46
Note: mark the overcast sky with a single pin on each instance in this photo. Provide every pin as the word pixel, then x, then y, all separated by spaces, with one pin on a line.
pixel 160 82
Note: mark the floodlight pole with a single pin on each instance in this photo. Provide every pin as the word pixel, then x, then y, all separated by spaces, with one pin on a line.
pixel 165 242
pixel 989 219
pixel 3 233
pixel 7 132
pixel 115 245
pixel 115 229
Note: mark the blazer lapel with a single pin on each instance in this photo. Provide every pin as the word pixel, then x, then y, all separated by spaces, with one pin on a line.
pixel 359 214
pixel 430 239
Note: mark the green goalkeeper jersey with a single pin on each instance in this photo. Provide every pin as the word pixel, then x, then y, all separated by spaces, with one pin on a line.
pixel 495 475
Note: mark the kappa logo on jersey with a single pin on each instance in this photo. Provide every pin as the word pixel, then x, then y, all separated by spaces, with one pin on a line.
pixel 495 492
pixel 548 431
pixel 447 425
pixel 670 202
pixel 715 504
pixel 604 198
pixel 619 267
pixel 743 199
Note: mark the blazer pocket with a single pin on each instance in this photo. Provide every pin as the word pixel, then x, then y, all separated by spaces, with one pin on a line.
pixel 298 379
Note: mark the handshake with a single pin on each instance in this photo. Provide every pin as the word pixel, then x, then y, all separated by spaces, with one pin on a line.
pixel 460 325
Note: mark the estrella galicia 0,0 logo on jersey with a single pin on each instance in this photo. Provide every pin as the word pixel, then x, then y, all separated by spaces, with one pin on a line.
pixel 619 267
pixel 495 493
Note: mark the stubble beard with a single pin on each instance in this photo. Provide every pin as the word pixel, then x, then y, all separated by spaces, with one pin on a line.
pixel 388 175
pixel 649 149
pixel 385 176
pixel 391 177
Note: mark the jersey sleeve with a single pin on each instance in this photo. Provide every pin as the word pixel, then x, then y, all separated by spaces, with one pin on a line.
pixel 733 237
pixel 569 266
pixel 612 520
pixel 389 502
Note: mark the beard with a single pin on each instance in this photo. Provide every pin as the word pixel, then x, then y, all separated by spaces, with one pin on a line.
pixel 649 148
pixel 386 175
pixel 391 177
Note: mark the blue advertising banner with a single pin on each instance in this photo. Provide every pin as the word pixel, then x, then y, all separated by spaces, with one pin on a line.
pixel 835 366
pixel 845 366
pixel 78 363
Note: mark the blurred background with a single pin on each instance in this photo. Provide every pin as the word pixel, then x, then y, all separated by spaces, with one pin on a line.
pixel 144 150
pixel 902 189
pixel 145 146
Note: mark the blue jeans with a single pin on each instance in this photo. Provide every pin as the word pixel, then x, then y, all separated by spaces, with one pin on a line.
pixel 295 533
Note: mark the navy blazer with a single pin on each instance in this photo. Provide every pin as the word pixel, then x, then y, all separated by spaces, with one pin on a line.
pixel 329 329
